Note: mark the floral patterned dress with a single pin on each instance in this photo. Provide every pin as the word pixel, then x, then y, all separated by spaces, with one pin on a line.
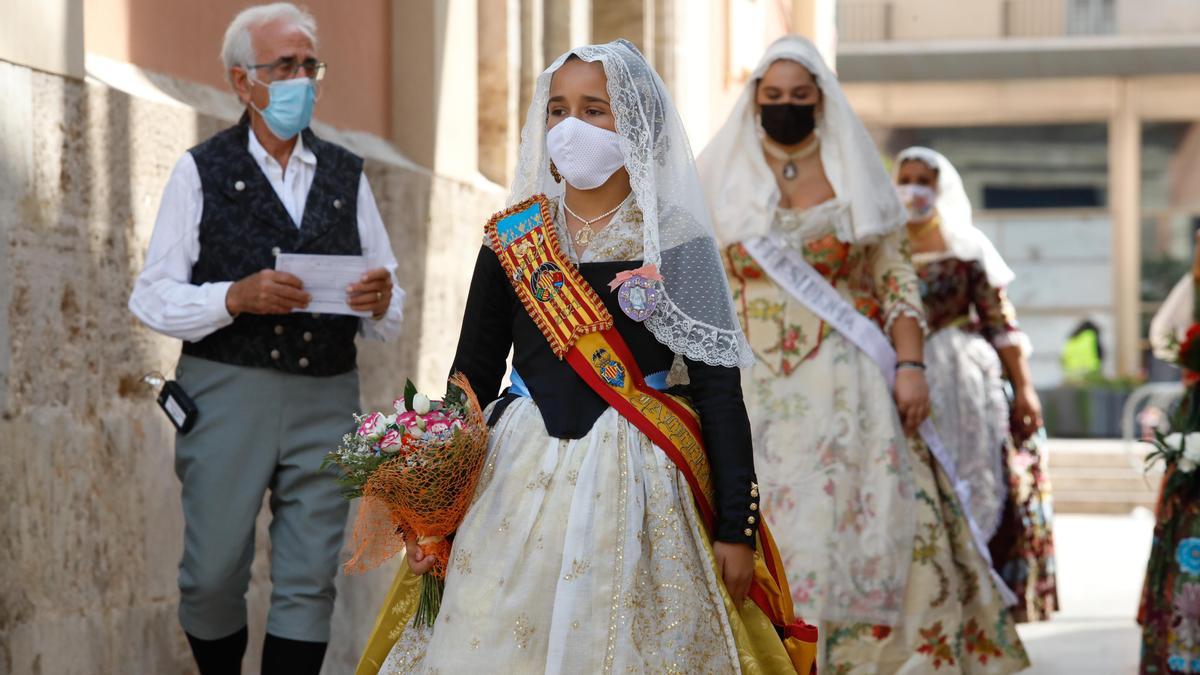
pixel 873 538
pixel 1010 488
pixel 1170 606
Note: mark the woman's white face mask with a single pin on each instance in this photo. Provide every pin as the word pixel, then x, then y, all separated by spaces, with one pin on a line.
pixel 920 200
pixel 585 155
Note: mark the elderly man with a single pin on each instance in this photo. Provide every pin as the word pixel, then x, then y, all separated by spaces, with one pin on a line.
pixel 274 387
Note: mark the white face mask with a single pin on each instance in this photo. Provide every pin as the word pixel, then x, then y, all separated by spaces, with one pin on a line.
pixel 584 154
pixel 920 201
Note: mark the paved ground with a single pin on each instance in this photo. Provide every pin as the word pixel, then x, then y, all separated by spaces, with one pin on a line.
pixel 1101 562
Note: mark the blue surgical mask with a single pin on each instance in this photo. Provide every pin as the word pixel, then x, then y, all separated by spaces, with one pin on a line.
pixel 290 109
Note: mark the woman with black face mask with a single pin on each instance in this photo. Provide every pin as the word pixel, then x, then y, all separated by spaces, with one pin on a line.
pixel 864 498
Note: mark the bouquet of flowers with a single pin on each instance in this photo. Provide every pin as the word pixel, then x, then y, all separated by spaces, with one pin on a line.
pixel 1181 448
pixel 416 472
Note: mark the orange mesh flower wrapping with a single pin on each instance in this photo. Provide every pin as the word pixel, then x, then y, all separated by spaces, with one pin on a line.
pixel 416 473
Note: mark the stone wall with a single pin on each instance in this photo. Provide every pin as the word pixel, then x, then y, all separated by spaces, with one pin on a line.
pixel 90 523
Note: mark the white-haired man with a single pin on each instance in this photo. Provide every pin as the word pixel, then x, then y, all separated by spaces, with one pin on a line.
pixel 274 388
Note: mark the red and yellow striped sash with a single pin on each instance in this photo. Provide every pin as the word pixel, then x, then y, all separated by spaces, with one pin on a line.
pixel 579 327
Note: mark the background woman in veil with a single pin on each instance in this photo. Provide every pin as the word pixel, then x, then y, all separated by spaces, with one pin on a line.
pixel 584 550
pixel 975 345
pixel 876 542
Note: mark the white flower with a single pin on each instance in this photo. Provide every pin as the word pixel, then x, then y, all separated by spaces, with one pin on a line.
pixel 1188 447
pixel 421 404
pixel 1191 449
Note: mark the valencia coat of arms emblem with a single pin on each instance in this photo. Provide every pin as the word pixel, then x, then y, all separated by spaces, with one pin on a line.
pixel 609 369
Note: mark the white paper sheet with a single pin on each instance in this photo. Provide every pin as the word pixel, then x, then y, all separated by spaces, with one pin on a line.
pixel 325 278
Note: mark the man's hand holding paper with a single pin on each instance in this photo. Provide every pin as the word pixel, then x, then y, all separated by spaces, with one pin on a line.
pixel 266 292
pixel 372 293
pixel 324 284
pixel 338 284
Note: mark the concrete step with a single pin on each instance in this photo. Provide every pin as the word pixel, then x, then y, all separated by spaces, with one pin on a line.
pixel 1102 479
pixel 1100 476
pixel 1084 485
pixel 1075 458
pixel 1093 502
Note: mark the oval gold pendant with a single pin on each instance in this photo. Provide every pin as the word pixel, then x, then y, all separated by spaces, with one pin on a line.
pixel 789 170
pixel 584 236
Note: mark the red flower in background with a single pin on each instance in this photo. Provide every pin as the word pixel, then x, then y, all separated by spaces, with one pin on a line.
pixel 1189 355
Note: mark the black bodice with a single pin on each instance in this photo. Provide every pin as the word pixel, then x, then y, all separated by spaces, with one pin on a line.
pixel 495 321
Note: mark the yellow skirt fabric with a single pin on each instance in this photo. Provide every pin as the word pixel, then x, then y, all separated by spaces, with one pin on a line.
pixel 395 615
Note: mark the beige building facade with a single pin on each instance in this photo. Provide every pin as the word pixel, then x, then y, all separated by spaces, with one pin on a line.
pixel 1075 95
pixel 101 97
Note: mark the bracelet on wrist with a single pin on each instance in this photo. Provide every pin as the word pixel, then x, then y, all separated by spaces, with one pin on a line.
pixel 910 365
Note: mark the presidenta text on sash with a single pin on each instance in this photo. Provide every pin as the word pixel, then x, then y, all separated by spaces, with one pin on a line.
pixel 788 268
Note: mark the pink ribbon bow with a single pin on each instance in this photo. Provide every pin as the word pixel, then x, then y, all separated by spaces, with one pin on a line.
pixel 647 272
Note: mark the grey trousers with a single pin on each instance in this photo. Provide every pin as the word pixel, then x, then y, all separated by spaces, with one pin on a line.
pixel 260 430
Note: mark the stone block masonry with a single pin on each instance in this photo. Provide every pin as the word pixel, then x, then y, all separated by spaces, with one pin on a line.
pixel 90 522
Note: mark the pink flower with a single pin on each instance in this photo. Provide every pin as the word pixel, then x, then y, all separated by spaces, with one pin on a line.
pixel 411 421
pixel 373 427
pixel 437 422
pixel 391 442
pixel 1187 602
pixel 791 338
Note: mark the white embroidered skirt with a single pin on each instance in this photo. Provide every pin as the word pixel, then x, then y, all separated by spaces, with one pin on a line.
pixel 577 556
pixel 970 412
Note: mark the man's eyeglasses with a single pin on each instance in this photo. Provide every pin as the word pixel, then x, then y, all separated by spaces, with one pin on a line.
pixel 285 68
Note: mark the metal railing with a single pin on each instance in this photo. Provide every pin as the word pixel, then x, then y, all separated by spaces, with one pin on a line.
pixel 1161 395
pixel 1032 18
pixel 865 20
pixel 1091 17
pixel 875 20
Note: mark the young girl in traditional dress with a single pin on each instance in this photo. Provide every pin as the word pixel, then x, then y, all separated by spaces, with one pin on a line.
pixel 590 546
pixel 874 536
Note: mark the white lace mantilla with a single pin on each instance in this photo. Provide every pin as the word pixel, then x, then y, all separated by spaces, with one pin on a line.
pixel 695 315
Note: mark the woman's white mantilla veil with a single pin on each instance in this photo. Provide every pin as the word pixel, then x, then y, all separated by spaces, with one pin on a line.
pixel 963 239
pixel 695 316
pixel 741 187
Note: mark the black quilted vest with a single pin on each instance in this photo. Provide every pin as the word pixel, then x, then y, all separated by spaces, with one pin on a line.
pixel 244 226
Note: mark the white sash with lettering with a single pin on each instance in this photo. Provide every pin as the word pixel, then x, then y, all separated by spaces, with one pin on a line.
pixel 788 268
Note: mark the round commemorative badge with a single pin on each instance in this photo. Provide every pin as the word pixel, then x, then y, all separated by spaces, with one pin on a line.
pixel 638 297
